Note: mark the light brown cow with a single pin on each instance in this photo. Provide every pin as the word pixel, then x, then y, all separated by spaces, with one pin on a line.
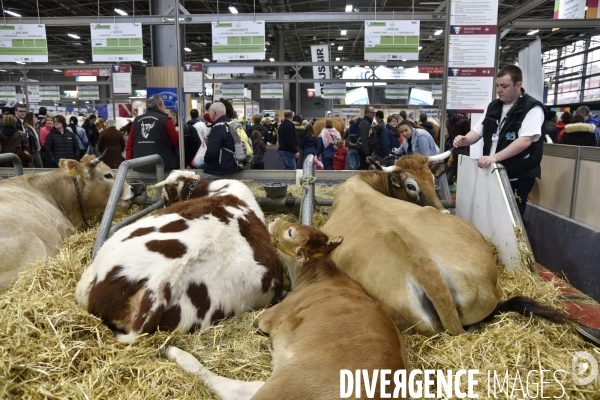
pixel 338 124
pixel 430 271
pixel 326 324
pixel 38 211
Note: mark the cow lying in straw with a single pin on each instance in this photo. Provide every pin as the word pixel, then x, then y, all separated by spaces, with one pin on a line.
pixel 189 265
pixel 430 271
pixel 39 211
pixel 327 323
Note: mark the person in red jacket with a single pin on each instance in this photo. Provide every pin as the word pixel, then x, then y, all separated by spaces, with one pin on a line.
pixel 341 152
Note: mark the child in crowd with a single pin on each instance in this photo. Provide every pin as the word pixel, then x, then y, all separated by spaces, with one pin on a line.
pixel 341 152
pixel 259 149
pixel 308 144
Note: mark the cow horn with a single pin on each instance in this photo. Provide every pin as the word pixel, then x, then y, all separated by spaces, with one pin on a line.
pixel 375 163
pixel 97 160
pixel 159 185
pixel 440 157
pixel 389 169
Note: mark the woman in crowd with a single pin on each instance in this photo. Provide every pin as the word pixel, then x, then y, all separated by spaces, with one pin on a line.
pixel 325 146
pixel 35 147
pixel 60 143
pixel 47 126
pixel 390 137
pixel 80 135
pixel 12 140
pixel 113 141
pixel 308 144
pixel 578 133
pixel 565 119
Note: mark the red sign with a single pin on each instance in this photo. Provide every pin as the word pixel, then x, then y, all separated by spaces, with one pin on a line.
pixel 310 93
pixel 192 67
pixel 87 72
pixel 122 68
pixel 452 72
pixel 431 70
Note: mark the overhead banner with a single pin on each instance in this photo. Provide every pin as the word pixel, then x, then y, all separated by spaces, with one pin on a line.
pixel 238 40
pixel 193 75
pixel 121 79
pixel 232 90
pixel 320 53
pixel 33 94
pixel 431 70
pixel 8 96
pixel 570 9
pixel 271 90
pixel 392 40
pixel 50 93
pixel 472 51
pixel 397 91
pixel 87 72
pixel 23 43
pixel 117 42
pixel 88 93
pixel 334 90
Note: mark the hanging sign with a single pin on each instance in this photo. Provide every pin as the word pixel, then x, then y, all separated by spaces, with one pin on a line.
pixel 193 75
pixel 431 70
pixel 474 12
pixel 320 53
pixel 396 91
pixel 572 9
pixel 232 90
pixel 271 90
pixel 87 72
pixel 392 40
pixel 8 95
pixel 436 91
pixel 121 78
pixel 33 94
pixel 88 93
pixel 50 93
pixel 24 43
pixel 238 40
pixel 117 42
pixel 334 90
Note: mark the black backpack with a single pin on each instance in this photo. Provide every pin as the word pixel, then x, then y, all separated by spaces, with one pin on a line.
pixel 352 139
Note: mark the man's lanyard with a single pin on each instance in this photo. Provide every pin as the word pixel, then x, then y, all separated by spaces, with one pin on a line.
pixel 506 116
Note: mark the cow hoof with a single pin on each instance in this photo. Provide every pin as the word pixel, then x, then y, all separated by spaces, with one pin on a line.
pixel 125 337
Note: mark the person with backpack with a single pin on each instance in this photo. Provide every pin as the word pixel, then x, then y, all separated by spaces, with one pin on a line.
pixel 365 132
pixel 217 161
pixel 80 136
pixel 259 149
pixel 325 145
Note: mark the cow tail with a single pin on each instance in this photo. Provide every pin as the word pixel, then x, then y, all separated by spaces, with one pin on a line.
pixel 527 306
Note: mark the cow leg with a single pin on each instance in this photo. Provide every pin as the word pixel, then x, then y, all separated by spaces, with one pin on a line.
pixel 225 388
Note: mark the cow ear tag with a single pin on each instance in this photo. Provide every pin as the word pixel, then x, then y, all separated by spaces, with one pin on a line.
pixel 395 180
pixel 73 166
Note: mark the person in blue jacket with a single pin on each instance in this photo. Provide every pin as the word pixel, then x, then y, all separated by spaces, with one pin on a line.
pixel 325 144
pixel 217 160
pixel 416 141
pixel 308 144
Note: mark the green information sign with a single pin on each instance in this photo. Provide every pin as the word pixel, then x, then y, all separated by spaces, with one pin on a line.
pixel 392 40
pixel 23 43
pixel 238 40
pixel 117 42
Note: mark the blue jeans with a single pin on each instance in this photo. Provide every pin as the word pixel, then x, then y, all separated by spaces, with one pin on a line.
pixel 328 161
pixel 289 161
pixel 353 158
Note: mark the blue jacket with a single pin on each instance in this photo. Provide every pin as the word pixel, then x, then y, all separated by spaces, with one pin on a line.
pixel 388 142
pixel 422 143
pixel 593 120
pixel 308 145
pixel 217 160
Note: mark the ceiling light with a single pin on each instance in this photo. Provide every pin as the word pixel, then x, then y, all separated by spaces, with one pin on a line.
pixel 271 59
pixel 340 48
pixel 56 70
pixel 120 12
pixel 74 102
pixel 343 32
pixel 332 43
pixel 349 8
pixel 206 60
pixel 533 32
pixel 74 36
pixel 500 48
pixel 187 49
pixel 233 10
pixel 81 61
pixel 267 43
pixel 19 62
pixel 14 14
pixel 439 32
pixel 420 47
pixel 87 102
pixel 337 59
pixel 144 62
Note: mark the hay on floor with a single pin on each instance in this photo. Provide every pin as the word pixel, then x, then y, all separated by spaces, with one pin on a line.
pixel 51 348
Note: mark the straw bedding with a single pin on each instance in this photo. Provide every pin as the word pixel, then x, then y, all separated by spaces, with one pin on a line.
pixel 52 349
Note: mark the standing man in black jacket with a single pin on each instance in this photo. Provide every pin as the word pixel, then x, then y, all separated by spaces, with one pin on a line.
pixel 89 125
pixel 220 148
pixel 154 133
pixel 365 131
pixel 288 141
pixel 511 130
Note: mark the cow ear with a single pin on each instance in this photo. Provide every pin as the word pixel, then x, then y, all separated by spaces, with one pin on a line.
pixel 74 167
pixel 300 256
pixel 395 179
pixel 333 243
pixel 437 169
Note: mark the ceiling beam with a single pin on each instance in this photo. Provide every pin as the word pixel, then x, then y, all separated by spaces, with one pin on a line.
pixel 521 10
pixel 557 23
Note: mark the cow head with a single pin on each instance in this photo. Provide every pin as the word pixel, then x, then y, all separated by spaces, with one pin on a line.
pixel 297 243
pixel 94 182
pixel 182 186
pixel 412 179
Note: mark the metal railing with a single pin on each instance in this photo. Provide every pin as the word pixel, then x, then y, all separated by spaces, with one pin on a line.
pixel 17 164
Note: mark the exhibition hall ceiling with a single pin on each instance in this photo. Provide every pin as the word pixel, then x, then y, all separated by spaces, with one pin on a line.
pixel 297 36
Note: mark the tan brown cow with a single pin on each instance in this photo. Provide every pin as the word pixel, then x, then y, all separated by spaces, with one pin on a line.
pixel 338 124
pixel 326 324
pixel 38 211
pixel 431 271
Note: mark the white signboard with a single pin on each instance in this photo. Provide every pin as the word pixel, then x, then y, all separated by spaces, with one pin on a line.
pixel 397 91
pixel 351 111
pixel 88 93
pixel 474 12
pixel 24 43
pixel 320 53
pixel 391 40
pixel 8 95
pixel 469 93
pixel 382 73
pixel 436 91
pixel 232 90
pixel 238 40
pixel 572 9
pixel 334 90
pixel 193 75
pixel 117 42
pixel 33 94
pixel 50 93
pixel 472 50
pixel 121 78
pixel 271 90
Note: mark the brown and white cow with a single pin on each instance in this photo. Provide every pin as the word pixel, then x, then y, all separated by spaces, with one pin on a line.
pixel 38 211
pixel 206 256
pixel 326 324
pixel 430 271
